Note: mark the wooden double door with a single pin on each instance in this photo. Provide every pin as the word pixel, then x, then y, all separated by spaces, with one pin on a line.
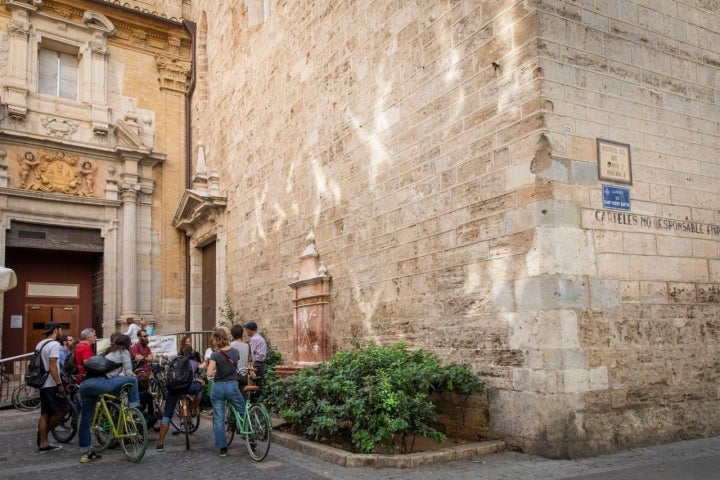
pixel 38 316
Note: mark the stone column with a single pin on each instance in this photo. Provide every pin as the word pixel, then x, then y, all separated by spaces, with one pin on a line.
pixel 94 84
pixel 129 197
pixel 111 274
pixel 16 86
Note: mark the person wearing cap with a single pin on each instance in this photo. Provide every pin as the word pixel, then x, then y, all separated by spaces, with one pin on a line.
pixel 258 349
pixel 53 402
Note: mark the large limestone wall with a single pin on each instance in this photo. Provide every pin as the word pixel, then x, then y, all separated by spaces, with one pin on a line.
pixel 646 74
pixel 444 156
pixel 403 134
pixel 387 129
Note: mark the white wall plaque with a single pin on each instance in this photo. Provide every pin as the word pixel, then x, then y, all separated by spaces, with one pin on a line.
pixel 614 164
pixel 53 290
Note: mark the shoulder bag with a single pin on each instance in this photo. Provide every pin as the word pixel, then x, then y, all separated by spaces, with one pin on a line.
pixel 241 372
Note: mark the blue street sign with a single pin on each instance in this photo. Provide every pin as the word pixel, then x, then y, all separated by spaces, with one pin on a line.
pixel 617 198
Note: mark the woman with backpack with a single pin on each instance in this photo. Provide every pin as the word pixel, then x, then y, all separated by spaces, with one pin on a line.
pixel 180 379
pixel 222 372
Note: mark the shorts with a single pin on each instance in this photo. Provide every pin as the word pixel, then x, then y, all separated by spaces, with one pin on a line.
pixel 51 403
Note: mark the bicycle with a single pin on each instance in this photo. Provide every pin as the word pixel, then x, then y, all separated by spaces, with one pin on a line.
pixel 255 424
pixel 65 431
pixel 26 398
pixel 115 420
pixel 188 423
pixel 4 378
pixel 157 390
pixel 205 402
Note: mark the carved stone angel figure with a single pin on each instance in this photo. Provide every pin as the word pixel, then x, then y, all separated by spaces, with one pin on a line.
pixel 87 174
pixel 28 163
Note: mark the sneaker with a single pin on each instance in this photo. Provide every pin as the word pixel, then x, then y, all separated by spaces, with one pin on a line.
pixel 50 448
pixel 151 421
pixel 90 457
pixel 223 452
pixel 159 447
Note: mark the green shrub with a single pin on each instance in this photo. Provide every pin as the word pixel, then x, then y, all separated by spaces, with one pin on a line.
pixel 376 396
pixel 272 359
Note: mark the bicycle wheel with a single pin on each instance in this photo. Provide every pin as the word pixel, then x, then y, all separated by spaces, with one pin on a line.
pixel 158 399
pixel 134 435
pixel 259 425
pixel 26 399
pixel 67 428
pixel 186 430
pixel 101 429
pixel 194 423
pixel 230 425
pixel 177 423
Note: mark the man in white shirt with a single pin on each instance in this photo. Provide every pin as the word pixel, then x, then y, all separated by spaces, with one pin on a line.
pixel 53 402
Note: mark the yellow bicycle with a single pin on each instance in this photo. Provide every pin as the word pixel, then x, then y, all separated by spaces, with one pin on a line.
pixel 115 422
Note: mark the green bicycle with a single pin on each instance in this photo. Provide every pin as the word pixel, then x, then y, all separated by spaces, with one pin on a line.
pixel 254 424
pixel 114 421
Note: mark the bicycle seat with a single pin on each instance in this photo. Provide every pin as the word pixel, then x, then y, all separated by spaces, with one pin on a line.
pixel 250 388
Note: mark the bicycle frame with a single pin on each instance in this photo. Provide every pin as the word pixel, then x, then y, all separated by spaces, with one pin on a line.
pixel 129 428
pixel 102 412
pixel 254 424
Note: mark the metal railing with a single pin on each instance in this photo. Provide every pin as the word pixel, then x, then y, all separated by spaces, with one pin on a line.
pixel 13 375
pixel 13 368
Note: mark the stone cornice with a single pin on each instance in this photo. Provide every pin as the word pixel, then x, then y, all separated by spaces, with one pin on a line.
pixel 134 29
pixel 57 197
pixel 123 5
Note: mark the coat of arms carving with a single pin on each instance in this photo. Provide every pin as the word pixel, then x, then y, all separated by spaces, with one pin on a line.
pixel 56 172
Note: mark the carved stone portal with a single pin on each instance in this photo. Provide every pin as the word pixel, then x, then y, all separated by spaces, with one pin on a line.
pixel 56 172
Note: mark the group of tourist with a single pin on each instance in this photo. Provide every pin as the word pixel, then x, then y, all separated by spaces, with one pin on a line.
pixel 221 361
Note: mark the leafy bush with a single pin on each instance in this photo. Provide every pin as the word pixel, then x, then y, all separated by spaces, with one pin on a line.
pixel 376 396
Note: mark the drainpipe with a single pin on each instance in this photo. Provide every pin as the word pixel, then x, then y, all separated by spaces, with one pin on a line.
pixel 192 30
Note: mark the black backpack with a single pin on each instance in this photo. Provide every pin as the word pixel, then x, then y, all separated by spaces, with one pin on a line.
pixel 179 374
pixel 36 374
pixel 70 366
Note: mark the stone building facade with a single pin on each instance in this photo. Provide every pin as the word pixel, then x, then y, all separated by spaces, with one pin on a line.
pixel 529 187
pixel 92 164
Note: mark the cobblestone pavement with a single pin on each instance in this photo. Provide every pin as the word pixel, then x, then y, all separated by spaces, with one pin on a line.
pixel 19 459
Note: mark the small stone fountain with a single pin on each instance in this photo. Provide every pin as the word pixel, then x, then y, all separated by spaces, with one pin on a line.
pixel 311 299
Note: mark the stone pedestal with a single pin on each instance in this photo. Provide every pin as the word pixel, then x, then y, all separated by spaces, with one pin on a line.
pixel 312 311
